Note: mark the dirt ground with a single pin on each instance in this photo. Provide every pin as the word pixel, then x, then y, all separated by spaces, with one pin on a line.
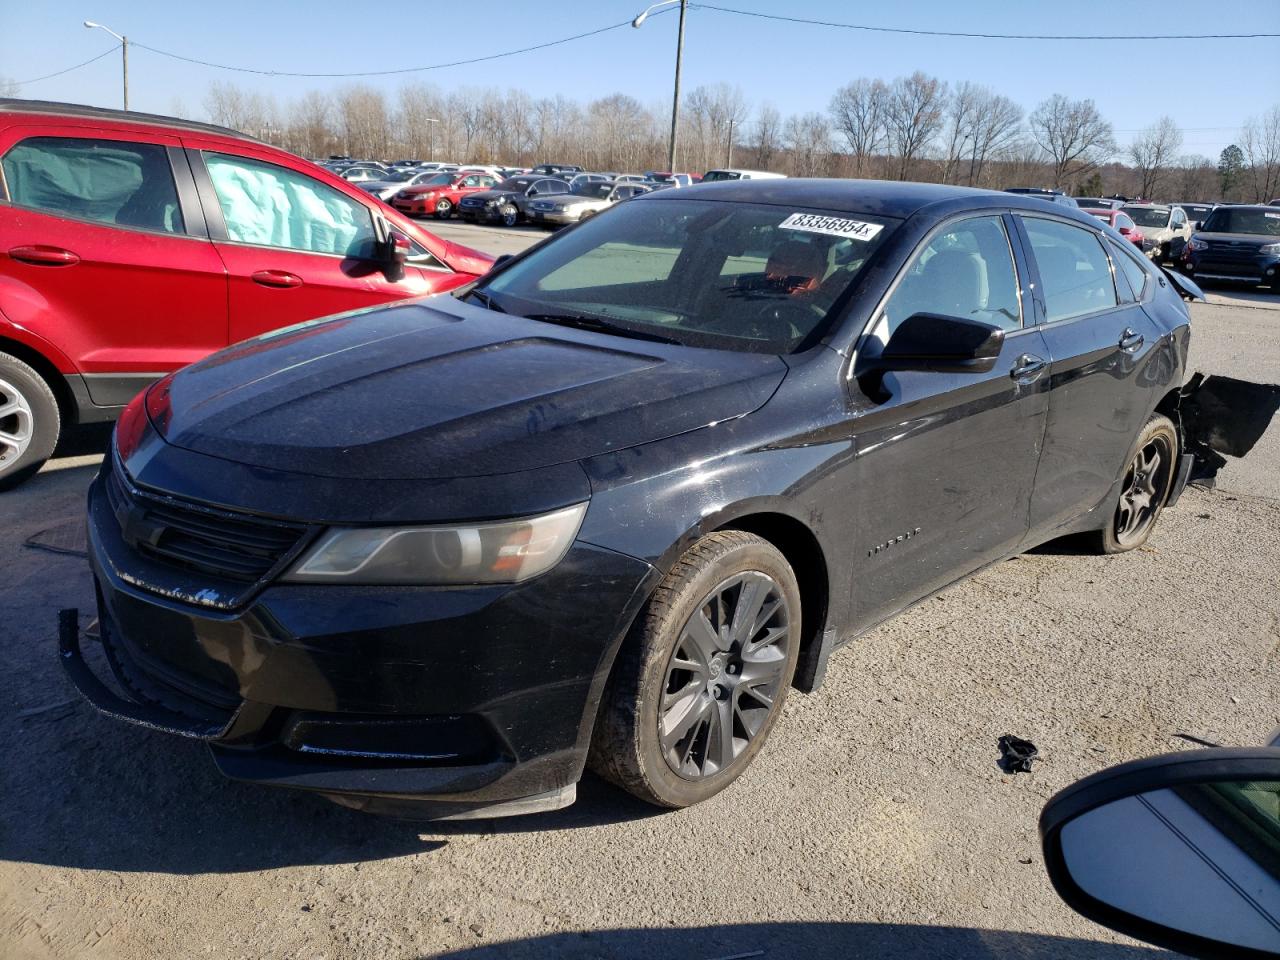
pixel 874 824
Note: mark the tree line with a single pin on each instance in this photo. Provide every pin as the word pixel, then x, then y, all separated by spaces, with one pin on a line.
pixel 915 127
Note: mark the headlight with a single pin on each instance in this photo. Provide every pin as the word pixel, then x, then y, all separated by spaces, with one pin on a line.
pixel 508 551
pixel 1270 249
pixel 1195 244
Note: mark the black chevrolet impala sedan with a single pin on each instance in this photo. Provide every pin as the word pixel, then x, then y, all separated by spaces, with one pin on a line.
pixel 608 505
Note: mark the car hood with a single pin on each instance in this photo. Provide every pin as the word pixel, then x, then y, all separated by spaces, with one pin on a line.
pixel 1244 239
pixel 438 389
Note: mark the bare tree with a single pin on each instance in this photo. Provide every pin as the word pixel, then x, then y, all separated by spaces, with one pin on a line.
pixel 1260 141
pixel 809 139
pixel 767 139
pixel 1153 152
pixel 997 133
pixel 1196 178
pixel 9 87
pixel 1073 136
pixel 363 120
pixel 858 110
pixel 710 114
pixel 914 118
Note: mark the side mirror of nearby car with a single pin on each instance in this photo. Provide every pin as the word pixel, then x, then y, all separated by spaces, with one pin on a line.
pixel 1181 850
pixel 932 341
pixel 1125 231
pixel 1198 225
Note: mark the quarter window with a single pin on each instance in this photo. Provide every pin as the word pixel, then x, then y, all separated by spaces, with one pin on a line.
pixel 1074 272
pixel 109 181
pixel 275 207
pixel 967 271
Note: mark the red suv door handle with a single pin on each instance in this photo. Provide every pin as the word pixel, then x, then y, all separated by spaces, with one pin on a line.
pixel 44 256
pixel 277 278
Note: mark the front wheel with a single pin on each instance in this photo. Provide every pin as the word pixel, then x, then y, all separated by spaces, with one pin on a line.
pixel 29 421
pixel 443 209
pixel 1144 487
pixel 702 678
pixel 510 216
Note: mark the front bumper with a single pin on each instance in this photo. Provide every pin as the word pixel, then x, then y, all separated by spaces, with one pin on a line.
pixel 1222 265
pixel 476 698
pixel 562 217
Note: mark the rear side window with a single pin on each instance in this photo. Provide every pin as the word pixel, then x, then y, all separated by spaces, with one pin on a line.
pixel 1074 271
pixel 1131 272
pixel 115 182
pixel 271 206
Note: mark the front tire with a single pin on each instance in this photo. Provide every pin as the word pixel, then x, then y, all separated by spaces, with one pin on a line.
pixel 704 674
pixel 444 209
pixel 29 421
pixel 510 216
pixel 1144 487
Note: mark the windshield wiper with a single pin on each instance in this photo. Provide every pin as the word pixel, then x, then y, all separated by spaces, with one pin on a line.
pixel 488 301
pixel 600 326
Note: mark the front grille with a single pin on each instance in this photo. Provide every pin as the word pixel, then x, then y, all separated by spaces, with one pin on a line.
pixel 186 535
pixel 1225 250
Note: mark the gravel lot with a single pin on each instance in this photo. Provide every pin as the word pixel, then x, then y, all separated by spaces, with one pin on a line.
pixel 875 824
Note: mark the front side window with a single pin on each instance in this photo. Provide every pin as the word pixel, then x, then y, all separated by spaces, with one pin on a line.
pixel 116 182
pixel 1074 271
pixel 275 207
pixel 966 270
pixel 755 278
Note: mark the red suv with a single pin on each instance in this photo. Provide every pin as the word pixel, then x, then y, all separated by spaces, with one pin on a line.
pixel 131 245
pixel 439 196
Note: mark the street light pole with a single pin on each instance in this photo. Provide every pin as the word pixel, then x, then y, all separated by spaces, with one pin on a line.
pixel 728 150
pixel 675 99
pixel 124 55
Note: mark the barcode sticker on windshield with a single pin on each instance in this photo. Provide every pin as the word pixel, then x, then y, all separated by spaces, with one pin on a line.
pixel 833 226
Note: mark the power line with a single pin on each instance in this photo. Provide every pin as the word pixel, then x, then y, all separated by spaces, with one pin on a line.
pixel 985 36
pixel 50 76
pixel 385 73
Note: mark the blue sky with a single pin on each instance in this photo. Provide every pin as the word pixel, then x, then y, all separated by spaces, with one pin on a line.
pixel 1209 87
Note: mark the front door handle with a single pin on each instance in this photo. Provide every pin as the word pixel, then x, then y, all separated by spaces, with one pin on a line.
pixel 1130 340
pixel 1027 368
pixel 44 256
pixel 277 278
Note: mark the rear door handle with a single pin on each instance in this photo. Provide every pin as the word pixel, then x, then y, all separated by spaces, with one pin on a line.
pixel 277 278
pixel 1130 340
pixel 1027 368
pixel 44 256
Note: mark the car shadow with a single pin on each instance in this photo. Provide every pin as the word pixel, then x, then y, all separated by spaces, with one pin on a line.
pixel 133 800
pixel 83 440
pixel 813 941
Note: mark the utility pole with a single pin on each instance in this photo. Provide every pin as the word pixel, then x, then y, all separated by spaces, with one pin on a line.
pixel 675 99
pixel 431 138
pixel 728 151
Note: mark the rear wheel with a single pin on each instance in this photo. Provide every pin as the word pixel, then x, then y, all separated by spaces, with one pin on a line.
pixel 1144 487
pixel 29 421
pixel 703 677
pixel 443 209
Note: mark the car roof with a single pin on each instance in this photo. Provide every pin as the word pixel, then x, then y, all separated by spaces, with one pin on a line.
pixel 887 198
pixel 103 114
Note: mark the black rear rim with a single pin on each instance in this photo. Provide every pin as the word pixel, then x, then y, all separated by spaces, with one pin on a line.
pixel 1142 492
pixel 725 675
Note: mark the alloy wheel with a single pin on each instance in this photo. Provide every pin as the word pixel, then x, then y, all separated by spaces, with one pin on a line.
pixel 1145 483
pixel 509 216
pixel 724 675
pixel 17 425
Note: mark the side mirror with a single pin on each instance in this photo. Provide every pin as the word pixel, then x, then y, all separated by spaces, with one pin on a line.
pixel 533 192
pixel 935 342
pixel 1125 231
pixel 398 248
pixel 1180 850
pixel 1198 225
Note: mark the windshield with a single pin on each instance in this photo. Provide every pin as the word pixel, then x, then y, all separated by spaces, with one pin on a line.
pixel 1149 216
pixel 517 184
pixel 397 176
pixel 750 277
pixel 1241 220
pixel 714 175
pixel 595 191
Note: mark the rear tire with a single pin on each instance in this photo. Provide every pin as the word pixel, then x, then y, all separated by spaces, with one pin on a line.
pixel 1148 477
pixel 703 675
pixel 29 421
